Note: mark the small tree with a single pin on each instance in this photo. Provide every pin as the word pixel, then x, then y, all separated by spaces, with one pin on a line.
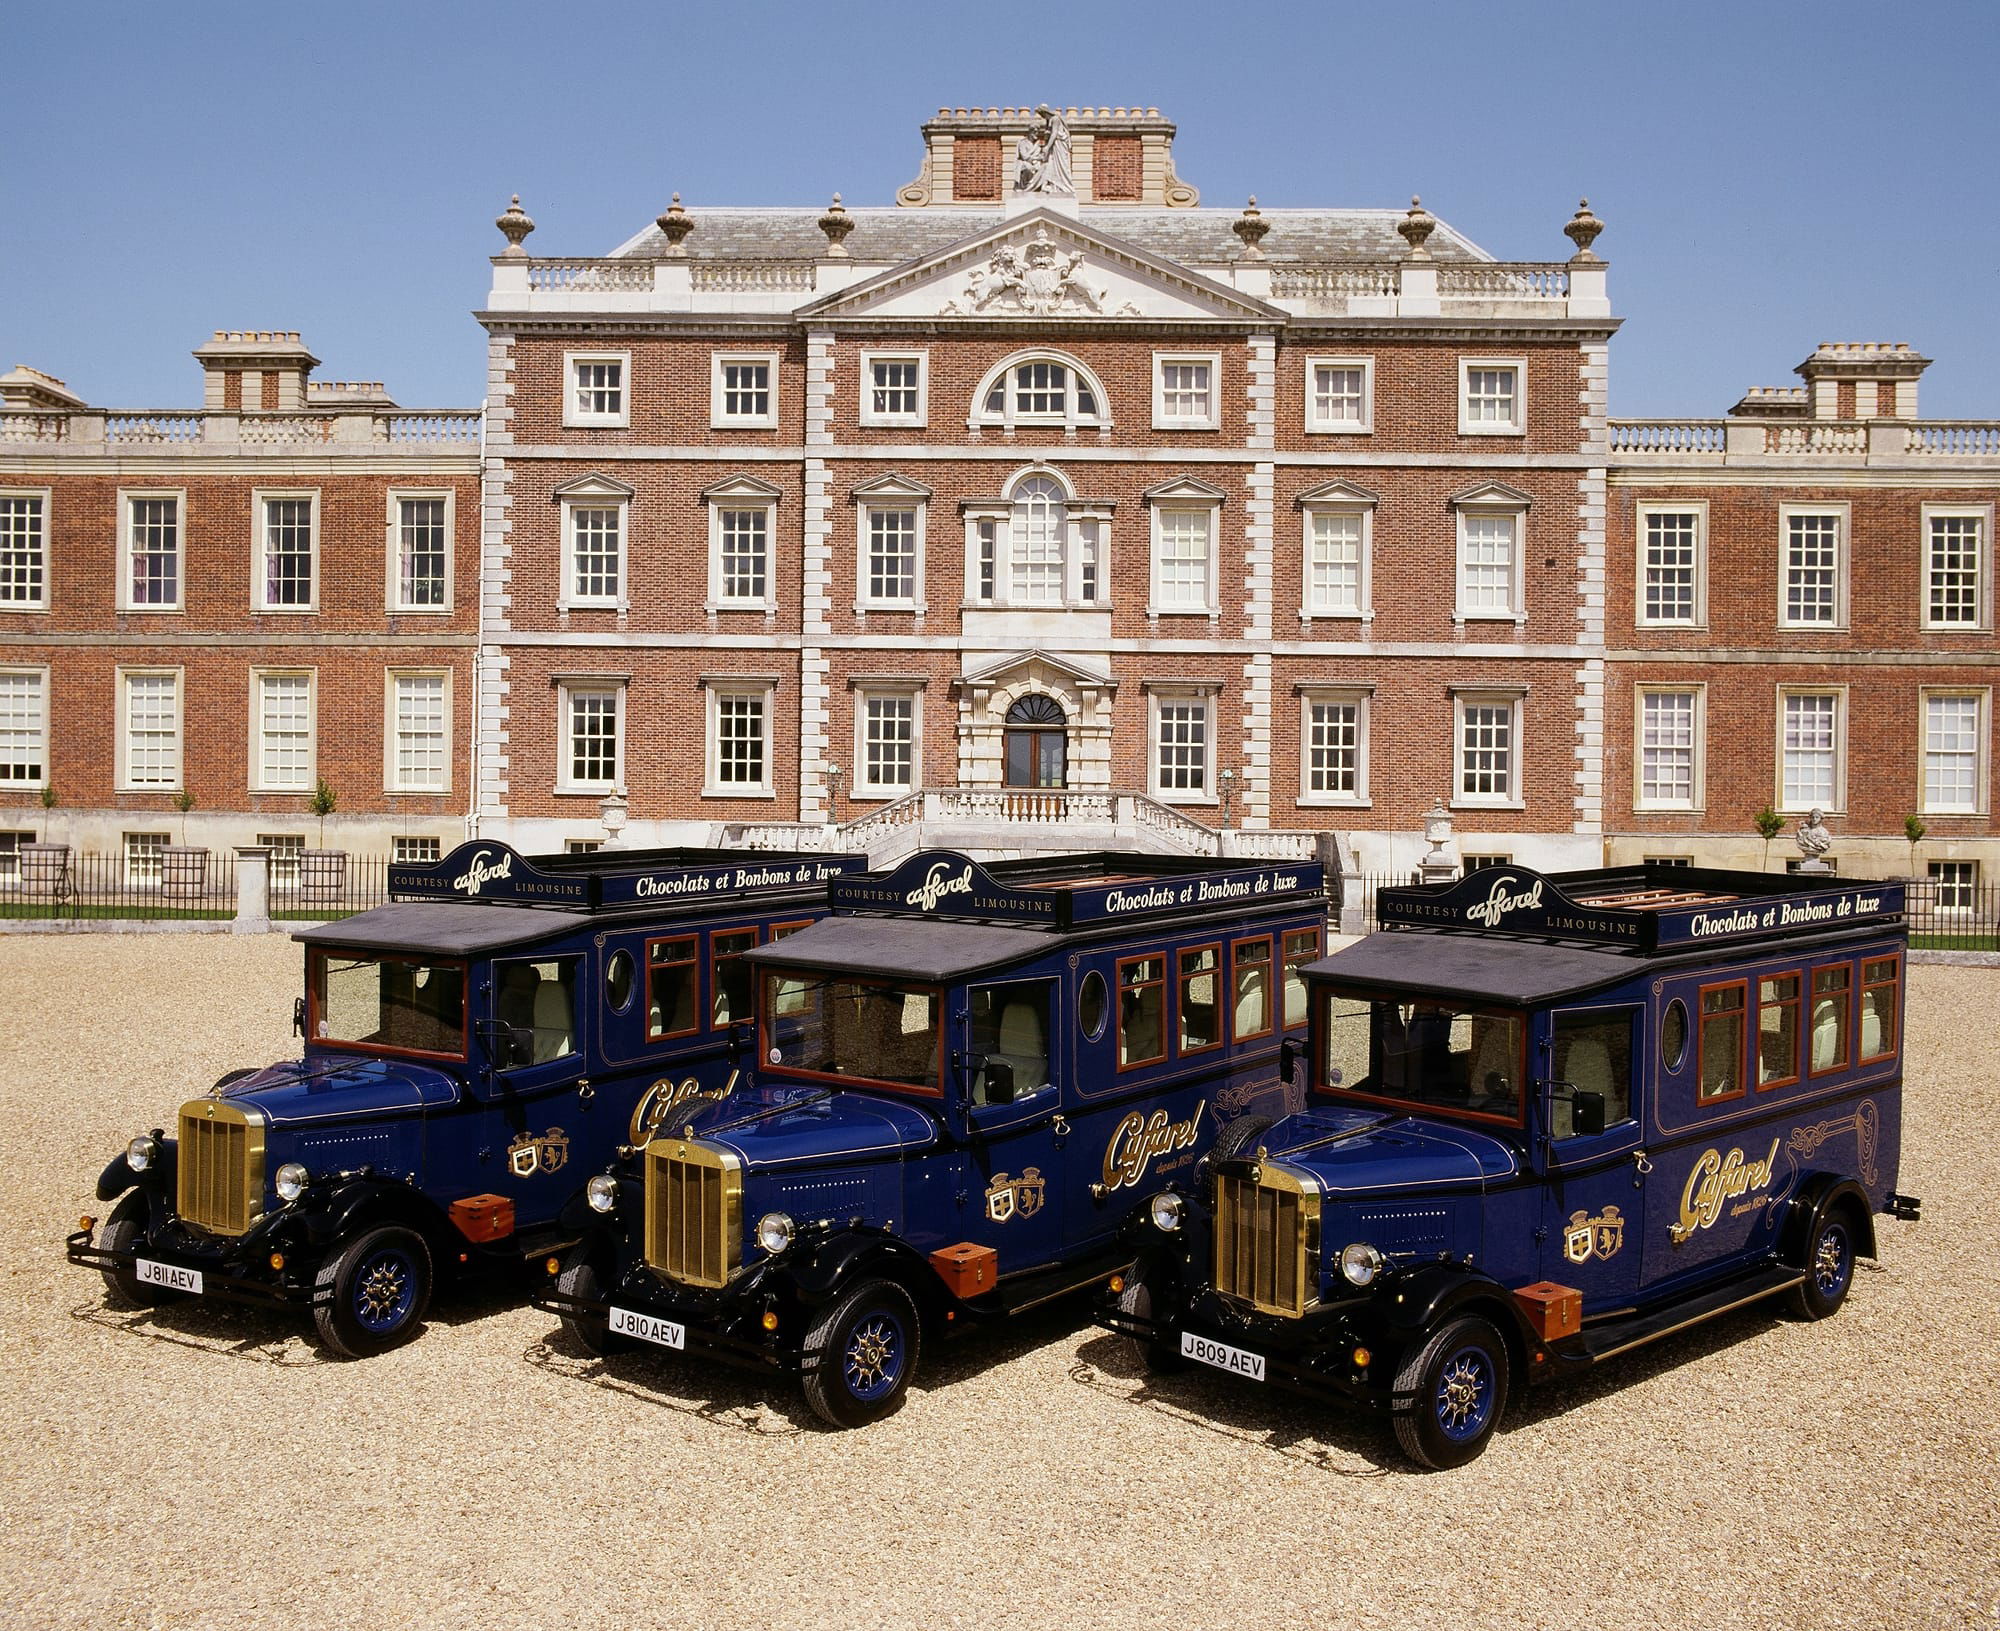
pixel 49 802
pixel 1914 830
pixel 1769 825
pixel 184 802
pixel 322 804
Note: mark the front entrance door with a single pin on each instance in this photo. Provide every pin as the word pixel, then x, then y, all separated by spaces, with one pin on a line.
pixel 1037 743
pixel 1595 1200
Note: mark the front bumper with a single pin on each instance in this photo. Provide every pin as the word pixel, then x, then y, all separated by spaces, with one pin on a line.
pixel 725 1326
pixel 225 1276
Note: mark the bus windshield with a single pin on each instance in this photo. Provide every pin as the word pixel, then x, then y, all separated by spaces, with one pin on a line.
pixel 389 1004
pixel 1433 1056
pixel 862 1031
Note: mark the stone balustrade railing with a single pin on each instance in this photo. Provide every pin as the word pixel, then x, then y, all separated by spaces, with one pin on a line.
pixel 561 275
pixel 1853 441
pixel 1504 280
pixel 94 430
pixel 1332 280
pixel 790 276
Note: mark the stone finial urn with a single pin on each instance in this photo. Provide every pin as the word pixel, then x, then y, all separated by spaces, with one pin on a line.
pixel 1417 225
pixel 674 226
pixel 515 224
pixel 1251 227
pixel 1582 230
pixel 836 224
pixel 1440 863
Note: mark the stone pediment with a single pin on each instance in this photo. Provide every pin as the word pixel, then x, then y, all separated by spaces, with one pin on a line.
pixel 1334 494
pixel 595 485
pixel 1493 495
pixel 1042 265
pixel 1042 664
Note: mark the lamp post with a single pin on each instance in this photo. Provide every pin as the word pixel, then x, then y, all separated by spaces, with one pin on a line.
pixel 833 775
pixel 1228 794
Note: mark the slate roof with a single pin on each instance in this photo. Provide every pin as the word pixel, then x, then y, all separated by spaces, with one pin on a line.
pixel 1192 237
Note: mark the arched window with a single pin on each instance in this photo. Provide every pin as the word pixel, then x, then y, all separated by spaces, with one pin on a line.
pixel 1035 535
pixel 1037 742
pixel 1040 388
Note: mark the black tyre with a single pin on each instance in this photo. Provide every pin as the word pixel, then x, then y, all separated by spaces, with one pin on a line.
pixel 372 1294
pixel 121 1232
pixel 1829 1267
pixel 582 1278
pixel 1240 1137
pixel 1155 1358
pixel 866 1342
pixel 1458 1380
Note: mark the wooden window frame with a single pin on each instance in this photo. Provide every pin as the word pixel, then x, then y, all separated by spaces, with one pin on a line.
pixel 1284 970
pixel 715 961
pixel 692 941
pixel 1847 1018
pixel 1702 1019
pixel 1799 1038
pixel 1271 994
pixel 1118 1019
pixel 1895 983
pixel 778 931
pixel 1181 978
pixel 933 1090
pixel 316 982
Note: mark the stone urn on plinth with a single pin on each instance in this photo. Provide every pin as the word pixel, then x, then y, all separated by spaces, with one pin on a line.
pixel 1440 864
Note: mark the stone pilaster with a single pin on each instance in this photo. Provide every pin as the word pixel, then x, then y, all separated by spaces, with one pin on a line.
pixel 816 583
pixel 1259 543
pixel 496 575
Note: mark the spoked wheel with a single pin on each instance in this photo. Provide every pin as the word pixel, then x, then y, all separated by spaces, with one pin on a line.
pixel 381 1288
pixel 1459 1382
pixel 1829 1269
pixel 580 1278
pixel 121 1232
pixel 866 1344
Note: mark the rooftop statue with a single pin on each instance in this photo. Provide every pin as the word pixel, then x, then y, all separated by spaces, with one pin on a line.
pixel 1041 156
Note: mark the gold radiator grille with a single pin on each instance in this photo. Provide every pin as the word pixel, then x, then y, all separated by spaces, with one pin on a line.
pixel 1267 1239
pixel 694 1211
pixel 221 1165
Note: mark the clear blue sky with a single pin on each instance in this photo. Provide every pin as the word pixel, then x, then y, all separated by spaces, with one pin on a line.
pixel 1772 175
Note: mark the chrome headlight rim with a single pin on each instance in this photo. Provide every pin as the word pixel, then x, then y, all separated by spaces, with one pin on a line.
pixel 290 1180
pixel 775 1232
pixel 1360 1263
pixel 1167 1211
pixel 600 1194
pixel 142 1152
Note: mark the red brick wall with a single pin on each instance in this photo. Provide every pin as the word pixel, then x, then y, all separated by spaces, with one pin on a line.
pixel 1115 168
pixel 975 168
pixel 1416 397
pixel 668 391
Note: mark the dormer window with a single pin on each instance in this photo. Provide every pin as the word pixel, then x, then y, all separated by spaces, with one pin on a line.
pixel 1040 390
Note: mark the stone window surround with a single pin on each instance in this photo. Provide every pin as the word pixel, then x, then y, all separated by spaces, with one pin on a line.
pixel 720 420
pixel 714 688
pixel 1070 418
pixel 573 416
pixel 1362 694
pixel 583 683
pixel 1838 805
pixel 1843 561
pixel 41 673
pixel 1490 499
pixel 1337 498
pixel 260 501
pixel 889 492
pixel 126 674
pixel 1518 425
pixel 44 497
pixel 1982 771
pixel 1698 508
pixel 1365 425
pixel 1486 696
pixel 1697 802
pixel 742 492
pixel 1000 512
pixel 868 415
pixel 258 675
pixel 1163 420
pixel 1985 516
pixel 394 551
pixel 1181 691
pixel 390 783
pixel 124 600
pixel 1184 493
pixel 865 688
pixel 594 492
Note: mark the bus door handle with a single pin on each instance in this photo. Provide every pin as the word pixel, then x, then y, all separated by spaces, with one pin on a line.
pixel 1059 1126
pixel 1642 1164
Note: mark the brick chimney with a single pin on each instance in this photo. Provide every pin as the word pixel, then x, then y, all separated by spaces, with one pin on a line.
pixel 254 371
pixel 1865 379
pixel 33 391
pixel 1118 156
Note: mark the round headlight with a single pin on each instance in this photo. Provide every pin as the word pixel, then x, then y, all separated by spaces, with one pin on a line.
pixel 142 1152
pixel 290 1181
pixel 1360 1263
pixel 601 1192
pixel 776 1231
pixel 1167 1210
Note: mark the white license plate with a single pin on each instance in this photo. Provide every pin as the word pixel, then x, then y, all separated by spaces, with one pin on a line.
pixel 170 1275
pixel 1237 1361
pixel 665 1333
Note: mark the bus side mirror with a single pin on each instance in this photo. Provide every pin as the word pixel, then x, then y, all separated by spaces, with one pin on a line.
pixel 737 1033
pixel 999 1082
pixel 298 1016
pixel 1588 1113
pixel 1290 1052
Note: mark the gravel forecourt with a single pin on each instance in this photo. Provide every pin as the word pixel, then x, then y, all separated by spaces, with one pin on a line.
pixel 202 1465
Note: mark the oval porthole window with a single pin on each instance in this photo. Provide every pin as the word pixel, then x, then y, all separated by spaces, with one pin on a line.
pixel 1091 1006
pixel 1674 1034
pixel 618 981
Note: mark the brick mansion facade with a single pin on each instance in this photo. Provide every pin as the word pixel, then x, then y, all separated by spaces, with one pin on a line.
pixel 1039 504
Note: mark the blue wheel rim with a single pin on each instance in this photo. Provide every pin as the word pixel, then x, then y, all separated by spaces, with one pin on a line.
pixel 1463 1398
pixel 385 1290
pixel 1833 1261
pixel 873 1356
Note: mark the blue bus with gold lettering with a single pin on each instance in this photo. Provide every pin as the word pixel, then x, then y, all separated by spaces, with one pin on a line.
pixel 1549 1119
pixel 964 1078
pixel 470 1049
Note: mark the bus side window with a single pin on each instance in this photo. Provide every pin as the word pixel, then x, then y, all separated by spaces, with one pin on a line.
pixel 1593 1054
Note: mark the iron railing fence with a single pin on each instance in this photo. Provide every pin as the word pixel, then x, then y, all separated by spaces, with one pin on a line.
pixel 148 885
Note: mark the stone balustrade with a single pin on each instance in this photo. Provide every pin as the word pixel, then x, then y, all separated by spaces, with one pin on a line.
pixel 1668 435
pixel 203 433
pixel 1335 280
pixel 795 276
pixel 1789 442
pixel 1504 280
pixel 605 273
pixel 1961 438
